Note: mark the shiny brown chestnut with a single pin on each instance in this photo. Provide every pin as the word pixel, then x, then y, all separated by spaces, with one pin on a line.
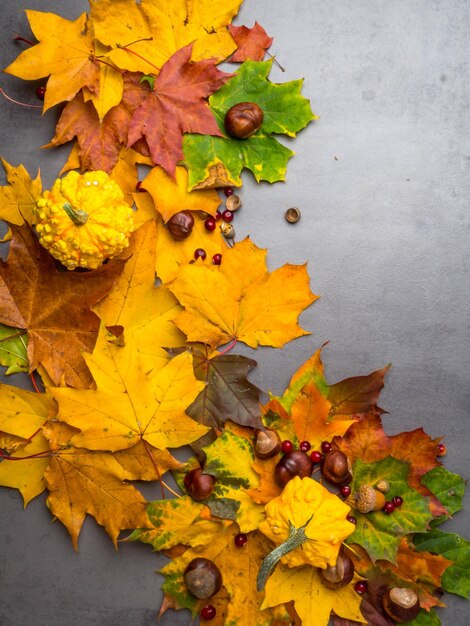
pixel 339 574
pixel 295 463
pixel 401 604
pixel 202 577
pixel 199 485
pixel 267 443
pixel 180 225
pixel 336 469
pixel 243 119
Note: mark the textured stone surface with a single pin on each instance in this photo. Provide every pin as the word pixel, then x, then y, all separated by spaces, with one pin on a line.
pixel 382 182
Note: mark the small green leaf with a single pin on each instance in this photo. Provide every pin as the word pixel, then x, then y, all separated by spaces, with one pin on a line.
pixel 13 349
pixel 456 578
pixel 426 619
pixel 147 78
pixel 378 532
pixel 449 488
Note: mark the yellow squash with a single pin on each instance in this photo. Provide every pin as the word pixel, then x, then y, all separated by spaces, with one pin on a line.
pixel 83 220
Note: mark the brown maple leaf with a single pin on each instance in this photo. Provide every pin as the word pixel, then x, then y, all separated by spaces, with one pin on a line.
pixel 175 106
pixel 53 306
pixel 99 141
pixel 251 43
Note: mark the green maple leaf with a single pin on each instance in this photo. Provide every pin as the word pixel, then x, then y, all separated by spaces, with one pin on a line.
pixel 13 350
pixel 456 578
pixel 229 460
pixel 377 532
pixel 426 619
pixel 177 521
pixel 448 488
pixel 285 110
pixel 228 394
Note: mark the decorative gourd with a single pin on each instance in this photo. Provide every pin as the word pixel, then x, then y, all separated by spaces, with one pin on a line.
pixel 308 523
pixel 83 220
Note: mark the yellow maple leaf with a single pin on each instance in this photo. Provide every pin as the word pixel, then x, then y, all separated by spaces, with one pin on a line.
pixel 22 414
pixel 64 53
pixel 110 86
pixel 143 310
pixel 239 568
pixel 18 198
pixel 240 300
pixel 171 195
pixel 81 482
pixel 312 599
pixel 172 254
pixel 145 35
pixel 129 406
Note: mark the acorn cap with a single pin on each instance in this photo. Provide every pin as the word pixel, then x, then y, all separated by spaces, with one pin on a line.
pixel 368 499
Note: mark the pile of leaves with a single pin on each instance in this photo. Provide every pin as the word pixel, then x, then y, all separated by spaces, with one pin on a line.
pixel 132 368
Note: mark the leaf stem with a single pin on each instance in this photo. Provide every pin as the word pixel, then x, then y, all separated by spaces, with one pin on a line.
pixel 275 61
pixel 136 53
pixel 22 104
pixel 229 347
pixel 296 538
pixel 159 477
pixel 13 336
pixel 20 38
pixel 33 380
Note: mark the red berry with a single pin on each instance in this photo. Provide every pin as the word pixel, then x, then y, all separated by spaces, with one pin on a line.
pixel 210 223
pixel 227 216
pixel 388 508
pixel 287 446
pixel 208 612
pixel 351 519
pixel 441 449
pixel 218 215
pixel 240 540
pixel 326 447
pixel 316 456
pixel 345 491
pixel 228 191
pixel 397 501
pixel 41 92
pixel 305 446
pixel 217 259
pixel 360 587
pixel 199 253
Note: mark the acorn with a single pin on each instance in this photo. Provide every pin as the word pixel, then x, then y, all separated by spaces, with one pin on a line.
pixel 367 499
pixel 336 468
pixel 339 574
pixel 180 225
pixel 295 463
pixel 243 119
pixel 267 443
pixel 227 230
pixel 199 485
pixel 401 604
pixel 383 485
pixel 202 577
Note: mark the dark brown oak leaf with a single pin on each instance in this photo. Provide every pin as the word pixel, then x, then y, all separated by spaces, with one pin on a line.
pixel 99 141
pixel 228 394
pixel 53 307
pixel 252 43
pixel 175 106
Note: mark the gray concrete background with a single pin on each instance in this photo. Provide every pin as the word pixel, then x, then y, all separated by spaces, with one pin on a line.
pixel 382 182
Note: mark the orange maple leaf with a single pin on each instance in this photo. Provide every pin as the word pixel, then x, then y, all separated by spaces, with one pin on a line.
pixel 99 141
pixel 53 306
pixel 175 106
pixel 251 43
pixel 240 300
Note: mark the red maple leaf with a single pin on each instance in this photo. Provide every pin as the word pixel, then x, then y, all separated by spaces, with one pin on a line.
pixel 175 106
pixel 251 42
